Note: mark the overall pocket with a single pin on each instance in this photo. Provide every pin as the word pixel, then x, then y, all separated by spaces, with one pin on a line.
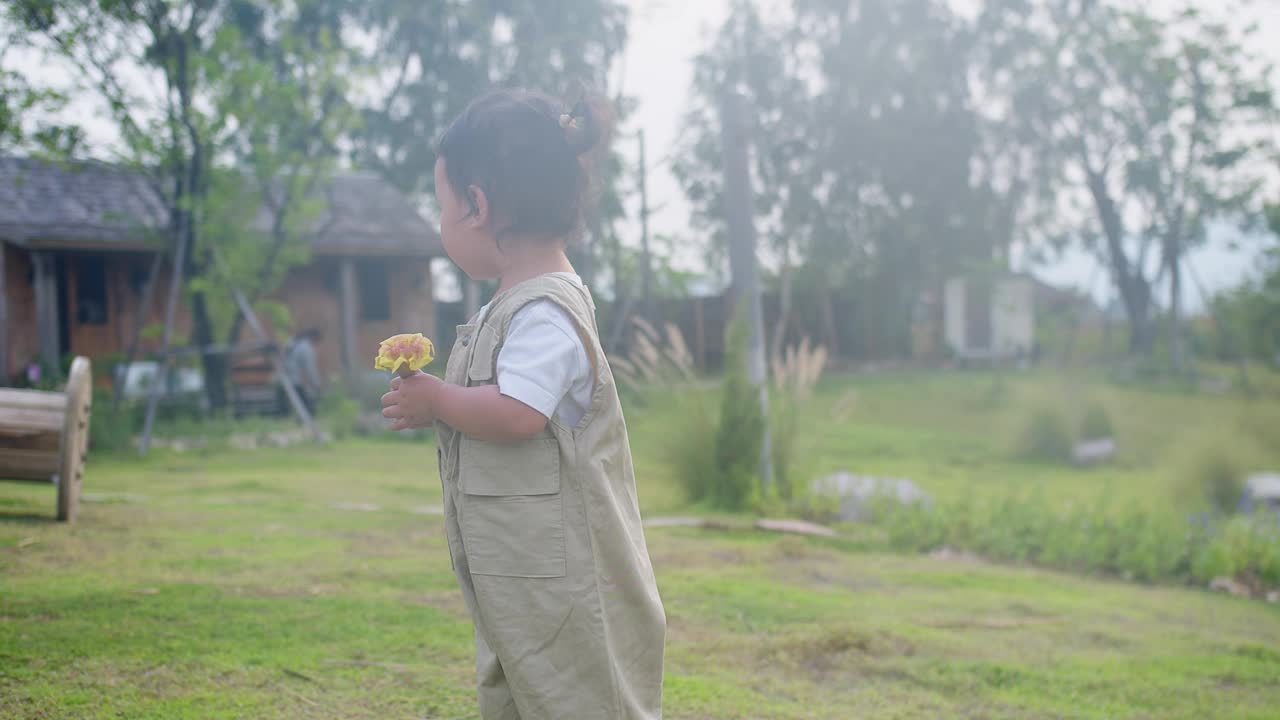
pixel 512 520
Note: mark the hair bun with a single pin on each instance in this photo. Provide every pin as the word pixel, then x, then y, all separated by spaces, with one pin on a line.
pixel 586 125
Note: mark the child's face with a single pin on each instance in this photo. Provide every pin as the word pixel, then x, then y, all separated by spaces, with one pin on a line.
pixel 467 236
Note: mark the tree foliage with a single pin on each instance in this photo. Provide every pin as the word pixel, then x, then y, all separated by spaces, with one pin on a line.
pixel 432 57
pixel 1125 132
pixel 897 143
pixel 863 138
pixel 233 108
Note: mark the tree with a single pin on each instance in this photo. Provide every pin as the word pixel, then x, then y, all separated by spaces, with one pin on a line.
pixel 244 89
pixel 281 83
pixel 1129 131
pixel 20 99
pixel 760 61
pixel 863 142
pixel 435 56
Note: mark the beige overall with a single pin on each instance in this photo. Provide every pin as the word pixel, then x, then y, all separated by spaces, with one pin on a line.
pixel 546 541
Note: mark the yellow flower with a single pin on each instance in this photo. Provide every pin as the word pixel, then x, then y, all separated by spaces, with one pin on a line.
pixel 404 354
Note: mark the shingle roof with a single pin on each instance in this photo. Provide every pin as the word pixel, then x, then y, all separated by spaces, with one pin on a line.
pixel 96 205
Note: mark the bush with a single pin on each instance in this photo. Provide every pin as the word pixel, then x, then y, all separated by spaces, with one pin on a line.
pixel 1136 544
pixel 653 366
pixel 690 447
pixel 814 507
pixel 109 433
pixel 1214 480
pixel 740 436
pixel 339 413
pixel 1096 424
pixel 1242 547
pixel 1044 438
pixel 795 374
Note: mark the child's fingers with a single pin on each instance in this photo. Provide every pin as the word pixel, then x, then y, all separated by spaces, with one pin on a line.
pixel 400 425
pixel 391 398
pixel 395 382
pixel 393 412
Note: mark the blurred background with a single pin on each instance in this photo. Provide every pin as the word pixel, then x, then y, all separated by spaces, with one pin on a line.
pixel 897 150
pixel 992 280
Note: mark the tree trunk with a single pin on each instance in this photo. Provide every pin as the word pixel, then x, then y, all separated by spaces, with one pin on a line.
pixel 784 313
pixel 1135 291
pixel 214 365
pixel 1142 339
pixel 829 320
pixel 1175 310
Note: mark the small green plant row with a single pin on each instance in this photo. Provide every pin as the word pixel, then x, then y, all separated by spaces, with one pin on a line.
pixel 1135 543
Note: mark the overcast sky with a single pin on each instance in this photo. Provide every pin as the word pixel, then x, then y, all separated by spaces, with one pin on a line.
pixel 667 34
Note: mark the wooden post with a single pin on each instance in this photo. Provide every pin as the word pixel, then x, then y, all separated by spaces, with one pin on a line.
pixel 46 307
pixel 4 316
pixel 742 254
pixel 75 439
pixel 350 300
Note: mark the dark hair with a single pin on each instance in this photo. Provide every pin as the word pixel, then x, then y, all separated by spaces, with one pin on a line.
pixel 529 153
pixel 313 334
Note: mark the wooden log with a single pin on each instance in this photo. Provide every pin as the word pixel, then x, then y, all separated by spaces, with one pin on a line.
pixel 32 399
pixel 21 424
pixel 45 436
pixel 28 464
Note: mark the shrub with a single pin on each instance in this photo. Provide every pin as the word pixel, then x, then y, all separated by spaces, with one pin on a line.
pixel 1243 546
pixel 1215 480
pixel 740 435
pixel 915 528
pixel 339 413
pixel 795 374
pixel 690 447
pixel 814 507
pixel 654 365
pixel 1044 438
pixel 108 433
pixel 1136 543
pixel 1096 424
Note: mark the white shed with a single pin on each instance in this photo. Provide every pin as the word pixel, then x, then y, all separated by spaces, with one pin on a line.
pixel 989 319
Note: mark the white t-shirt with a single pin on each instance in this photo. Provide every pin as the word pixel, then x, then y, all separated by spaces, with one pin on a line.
pixel 543 362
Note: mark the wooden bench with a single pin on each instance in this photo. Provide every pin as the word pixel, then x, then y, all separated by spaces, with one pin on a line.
pixel 44 436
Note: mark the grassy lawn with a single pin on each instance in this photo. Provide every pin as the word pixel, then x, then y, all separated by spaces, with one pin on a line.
pixel 315 583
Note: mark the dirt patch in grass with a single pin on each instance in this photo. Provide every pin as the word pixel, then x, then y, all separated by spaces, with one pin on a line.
pixel 826 654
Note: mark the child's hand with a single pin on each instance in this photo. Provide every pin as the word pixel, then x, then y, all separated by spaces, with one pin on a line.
pixel 411 402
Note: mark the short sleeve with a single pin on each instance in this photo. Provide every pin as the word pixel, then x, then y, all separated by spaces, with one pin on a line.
pixel 540 358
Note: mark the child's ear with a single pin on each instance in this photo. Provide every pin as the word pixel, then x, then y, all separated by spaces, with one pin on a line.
pixel 479 216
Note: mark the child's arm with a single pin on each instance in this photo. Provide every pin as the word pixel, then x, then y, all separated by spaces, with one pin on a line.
pixel 480 412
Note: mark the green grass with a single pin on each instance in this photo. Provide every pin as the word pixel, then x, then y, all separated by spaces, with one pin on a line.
pixel 234 585
pixel 955 434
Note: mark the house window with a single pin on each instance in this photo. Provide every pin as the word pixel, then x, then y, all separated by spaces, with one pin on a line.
pixel 91 293
pixel 374 281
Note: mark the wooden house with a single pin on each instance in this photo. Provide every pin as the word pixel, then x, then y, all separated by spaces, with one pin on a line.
pixel 77 241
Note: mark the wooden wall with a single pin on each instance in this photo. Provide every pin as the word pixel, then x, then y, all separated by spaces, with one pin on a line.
pixel 310 292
